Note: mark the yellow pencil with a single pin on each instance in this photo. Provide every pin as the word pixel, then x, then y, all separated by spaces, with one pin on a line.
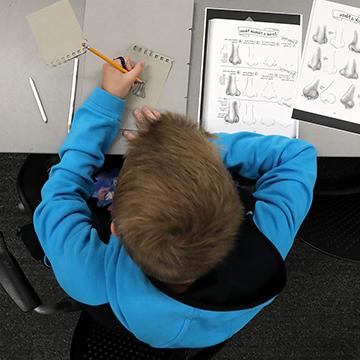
pixel 111 62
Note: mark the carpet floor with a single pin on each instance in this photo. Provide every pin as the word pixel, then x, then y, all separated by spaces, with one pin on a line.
pixel 316 317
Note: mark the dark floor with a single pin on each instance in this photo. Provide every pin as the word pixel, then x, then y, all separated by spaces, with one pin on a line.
pixel 317 316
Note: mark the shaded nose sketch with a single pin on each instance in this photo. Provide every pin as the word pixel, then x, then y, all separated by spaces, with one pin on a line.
pixel 349 71
pixel 348 98
pixel 234 56
pixel 338 40
pixel 138 89
pixel 311 91
pixel 355 44
pixel 232 88
pixel 315 62
pixel 320 36
pixel 232 115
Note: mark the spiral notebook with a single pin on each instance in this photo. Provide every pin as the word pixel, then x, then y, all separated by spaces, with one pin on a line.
pixel 57 33
pixel 156 71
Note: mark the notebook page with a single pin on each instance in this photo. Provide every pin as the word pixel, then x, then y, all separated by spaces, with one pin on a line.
pixel 57 32
pixel 154 75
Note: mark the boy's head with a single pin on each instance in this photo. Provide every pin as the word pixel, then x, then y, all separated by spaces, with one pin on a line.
pixel 175 208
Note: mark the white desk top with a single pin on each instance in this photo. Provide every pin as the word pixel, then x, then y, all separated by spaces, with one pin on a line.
pixel 21 126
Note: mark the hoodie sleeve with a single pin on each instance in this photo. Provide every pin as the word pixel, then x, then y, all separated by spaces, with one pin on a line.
pixel 62 220
pixel 285 174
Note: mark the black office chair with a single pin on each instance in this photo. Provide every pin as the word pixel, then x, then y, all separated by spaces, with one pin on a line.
pixel 332 225
pixel 98 334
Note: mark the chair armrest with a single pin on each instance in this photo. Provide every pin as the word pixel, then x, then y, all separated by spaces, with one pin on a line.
pixel 14 281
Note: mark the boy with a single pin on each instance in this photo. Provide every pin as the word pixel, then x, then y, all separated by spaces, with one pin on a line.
pixel 185 267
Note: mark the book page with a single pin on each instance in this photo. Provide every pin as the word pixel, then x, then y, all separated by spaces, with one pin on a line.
pixel 329 90
pixel 251 70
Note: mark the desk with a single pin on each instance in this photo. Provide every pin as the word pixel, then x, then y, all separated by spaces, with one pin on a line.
pixel 21 127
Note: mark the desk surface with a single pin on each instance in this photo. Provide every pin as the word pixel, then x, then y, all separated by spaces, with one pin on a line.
pixel 21 127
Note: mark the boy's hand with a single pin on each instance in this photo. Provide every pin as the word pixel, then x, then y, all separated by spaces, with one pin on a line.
pixel 117 83
pixel 151 115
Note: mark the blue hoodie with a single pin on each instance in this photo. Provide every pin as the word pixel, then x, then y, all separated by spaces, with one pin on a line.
pixel 96 273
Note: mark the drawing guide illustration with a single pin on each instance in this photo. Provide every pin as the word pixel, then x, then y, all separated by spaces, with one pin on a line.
pixel 355 44
pixel 328 90
pixel 251 86
pixel 327 96
pixel 233 113
pixel 315 62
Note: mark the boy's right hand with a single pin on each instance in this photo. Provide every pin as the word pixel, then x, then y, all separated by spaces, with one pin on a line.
pixel 142 116
pixel 117 83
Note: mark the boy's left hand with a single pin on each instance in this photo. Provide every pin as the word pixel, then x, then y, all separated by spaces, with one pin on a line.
pixel 117 83
pixel 142 116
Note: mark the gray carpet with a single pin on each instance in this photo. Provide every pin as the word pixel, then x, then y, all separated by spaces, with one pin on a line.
pixel 317 316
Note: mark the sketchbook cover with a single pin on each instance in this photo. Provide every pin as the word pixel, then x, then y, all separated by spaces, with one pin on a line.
pixel 163 26
pixel 250 66
pixel 329 89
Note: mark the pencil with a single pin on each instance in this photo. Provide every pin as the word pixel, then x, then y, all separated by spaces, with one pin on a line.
pixel 111 62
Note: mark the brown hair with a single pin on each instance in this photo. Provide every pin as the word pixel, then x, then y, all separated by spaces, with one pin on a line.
pixel 175 207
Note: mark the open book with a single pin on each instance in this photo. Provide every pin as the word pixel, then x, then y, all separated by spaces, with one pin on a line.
pixel 250 67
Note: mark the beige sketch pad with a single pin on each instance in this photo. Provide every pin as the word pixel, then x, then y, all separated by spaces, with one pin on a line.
pixel 155 73
pixel 57 33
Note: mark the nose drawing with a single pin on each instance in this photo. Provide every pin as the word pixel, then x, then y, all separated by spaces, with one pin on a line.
pixel 311 91
pixel 355 44
pixel 249 117
pixel 348 98
pixel 330 64
pixel 234 56
pixel 138 89
pixel 327 96
pixel 269 92
pixel 315 62
pixel 320 36
pixel 232 115
pixel 349 71
pixel 338 40
pixel 232 88
pixel 249 90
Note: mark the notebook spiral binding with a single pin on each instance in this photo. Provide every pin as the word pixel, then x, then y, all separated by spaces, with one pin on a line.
pixel 150 53
pixel 70 56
